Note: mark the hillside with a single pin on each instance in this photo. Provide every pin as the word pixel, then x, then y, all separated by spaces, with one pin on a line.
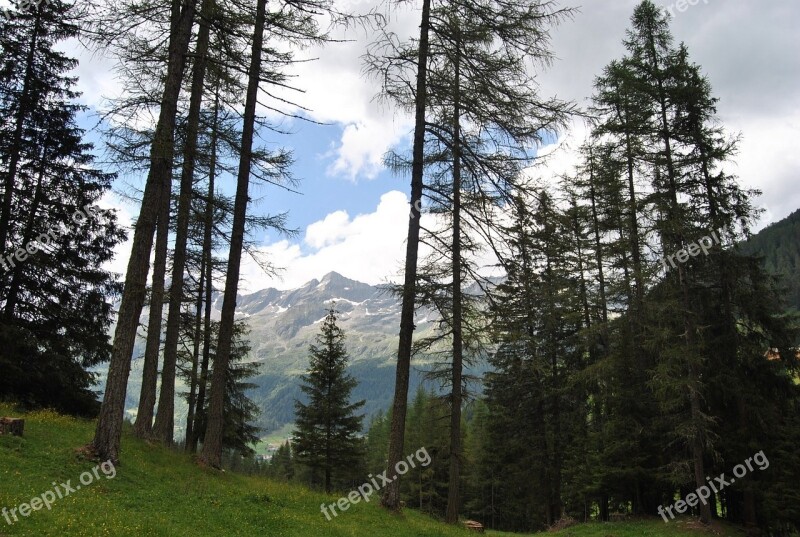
pixel 157 492
pixel 779 245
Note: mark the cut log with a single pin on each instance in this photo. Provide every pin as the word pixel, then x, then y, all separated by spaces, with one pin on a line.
pixel 473 525
pixel 12 426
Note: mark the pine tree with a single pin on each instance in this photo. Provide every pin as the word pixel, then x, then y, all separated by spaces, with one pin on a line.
pixel 281 466
pixel 325 439
pixel 54 294
pixel 685 354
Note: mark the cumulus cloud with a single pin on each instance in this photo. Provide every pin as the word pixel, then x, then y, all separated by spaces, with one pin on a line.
pixel 363 145
pixel 367 247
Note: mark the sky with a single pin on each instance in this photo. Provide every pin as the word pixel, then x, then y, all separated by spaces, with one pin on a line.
pixel 351 215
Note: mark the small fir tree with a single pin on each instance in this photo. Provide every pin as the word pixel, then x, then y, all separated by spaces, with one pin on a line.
pixel 326 438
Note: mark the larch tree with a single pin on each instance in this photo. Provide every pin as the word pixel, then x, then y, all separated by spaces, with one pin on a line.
pixel 504 117
pixel 106 441
pixel 164 425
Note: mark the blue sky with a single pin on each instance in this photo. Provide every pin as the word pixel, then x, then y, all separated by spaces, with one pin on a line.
pixel 323 191
pixel 352 214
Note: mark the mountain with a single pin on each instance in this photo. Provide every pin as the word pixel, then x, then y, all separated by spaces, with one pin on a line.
pixel 779 245
pixel 284 323
pixel 282 326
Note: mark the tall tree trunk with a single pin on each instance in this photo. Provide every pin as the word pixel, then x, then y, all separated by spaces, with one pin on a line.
pixel 212 447
pixel 198 328
pixel 633 211
pixel 26 105
pixel 208 226
pixel 391 494
pixel 601 281
pixel 106 439
pixel 697 443
pixel 165 418
pixel 454 486
pixel 147 397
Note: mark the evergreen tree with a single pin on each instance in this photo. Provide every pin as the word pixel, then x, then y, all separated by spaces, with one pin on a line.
pixel 532 400
pixel 55 296
pixel 325 439
pixel 281 466
pixel 377 442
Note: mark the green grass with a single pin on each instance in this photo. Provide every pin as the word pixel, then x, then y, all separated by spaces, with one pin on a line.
pixel 160 492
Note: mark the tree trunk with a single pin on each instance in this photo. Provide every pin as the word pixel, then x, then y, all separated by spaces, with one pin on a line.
pixel 109 424
pixel 165 419
pixel 198 327
pixel 601 282
pixel 147 397
pixel 454 486
pixel 391 494
pixel 209 267
pixel 211 453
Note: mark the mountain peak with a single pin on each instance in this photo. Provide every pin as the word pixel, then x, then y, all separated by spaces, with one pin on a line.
pixel 334 277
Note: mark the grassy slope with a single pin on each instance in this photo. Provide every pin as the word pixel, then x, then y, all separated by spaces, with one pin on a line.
pixel 159 492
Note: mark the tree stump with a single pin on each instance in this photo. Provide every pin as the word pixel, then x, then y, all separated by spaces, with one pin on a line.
pixel 12 426
pixel 473 525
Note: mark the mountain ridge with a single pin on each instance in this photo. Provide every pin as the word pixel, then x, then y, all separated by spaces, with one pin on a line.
pixel 283 323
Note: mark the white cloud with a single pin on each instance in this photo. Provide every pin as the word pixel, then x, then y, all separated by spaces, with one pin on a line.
pixel 328 231
pixel 337 90
pixel 368 248
pixel 363 145
pixel 768 160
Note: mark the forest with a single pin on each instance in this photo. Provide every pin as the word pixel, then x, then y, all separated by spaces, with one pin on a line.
pixel 640 341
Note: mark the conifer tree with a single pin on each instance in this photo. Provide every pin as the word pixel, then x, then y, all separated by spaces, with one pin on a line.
pixel 325 439
pixel 55 297
pixel 239 435
pixel 477 114
pixel 281 466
